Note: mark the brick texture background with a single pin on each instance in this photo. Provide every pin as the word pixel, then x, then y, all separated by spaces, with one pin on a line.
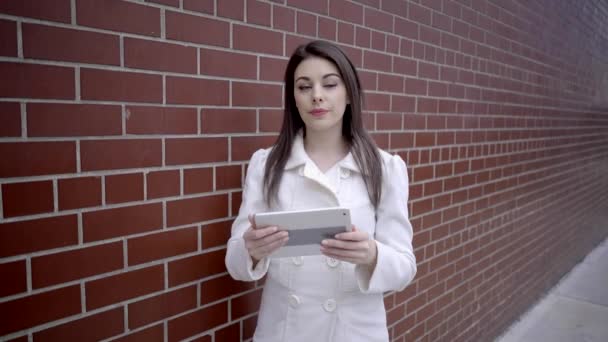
pixel 126 127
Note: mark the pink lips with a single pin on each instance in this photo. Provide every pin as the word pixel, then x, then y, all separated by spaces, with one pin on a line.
pixel 318 112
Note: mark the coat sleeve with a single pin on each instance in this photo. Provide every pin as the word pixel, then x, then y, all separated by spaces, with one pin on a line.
pixel 238 260
pixel 396 264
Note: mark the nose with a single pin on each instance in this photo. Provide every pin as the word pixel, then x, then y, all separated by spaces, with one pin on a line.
pixel 317 94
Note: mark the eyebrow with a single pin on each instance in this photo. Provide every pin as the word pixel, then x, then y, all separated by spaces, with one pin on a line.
pixel 308 79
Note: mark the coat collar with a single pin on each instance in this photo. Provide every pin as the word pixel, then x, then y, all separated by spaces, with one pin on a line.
pixel 299 157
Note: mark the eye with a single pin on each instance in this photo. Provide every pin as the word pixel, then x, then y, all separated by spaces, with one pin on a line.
pixel 304 87
pixel 330 85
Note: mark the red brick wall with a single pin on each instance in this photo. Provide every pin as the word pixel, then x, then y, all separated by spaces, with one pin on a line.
pixel 126 127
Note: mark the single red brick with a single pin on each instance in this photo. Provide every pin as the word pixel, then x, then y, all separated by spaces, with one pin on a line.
pixel 271 120
pixel 257 40
pixel 110 223
pixel 363 37
pixel 228 120
pixel 390 83
pixel 36 81
pixel 272 69
pixel 406 28
pixel 346 33
pixel 235 201
pixel 216 234
pixel 111 85
pixel 124 188
pixel 245 304
pixel 198 180
pixel 8 38
pixel 10 116
pixel 196 91
pixel 190 28
pixel 37 158
pixel 198 321
pixel 36 235
pixel 306 24
pixel 222 287
pixel 162 184
pixel 196 209
pixel 195 150
pixel 388 121
pixel 61 44
pixel 234 9
pixel 258 12
pixel 317 6
pixel 25 312
pixel 54 11
pixel 62 267
pixel 248 95
pixel 402 140
pixel 120 154
pixel 284 19
pixel 292 42
pixel 243 147
pixel 14 278
pixel 377 61
pixel 120 287
pixel 162 306
pixel 91 328
pixel 151 55
pixel 419 14
pixel 249 326
pixel 162 245
pixel 63 120
pixel 161 120
pixel 346 11
pixel 203 6
pixel 155 333
pixel 378 41
pixel 27 198
pixel 327 28
pixel 196 267
pixel 79 192
pixel 229 333
pixel 228 177
pixel 117 16
pixel 228 64
pixel 377 102
pixel 403 104
pixel 398 8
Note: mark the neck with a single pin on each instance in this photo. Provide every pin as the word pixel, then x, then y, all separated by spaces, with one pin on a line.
pixel 325 148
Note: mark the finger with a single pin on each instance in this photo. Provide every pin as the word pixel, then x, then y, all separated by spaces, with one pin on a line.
pixel 251 218
pixel 255 234
pixel 353 236
pixel 267 249
pixel 344 255
pixel 346 244
pixel 256 243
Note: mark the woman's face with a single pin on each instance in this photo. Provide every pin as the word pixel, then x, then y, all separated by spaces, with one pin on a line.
pixel 320 94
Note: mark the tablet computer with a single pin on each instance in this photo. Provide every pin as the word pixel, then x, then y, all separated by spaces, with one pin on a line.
pixel 307 228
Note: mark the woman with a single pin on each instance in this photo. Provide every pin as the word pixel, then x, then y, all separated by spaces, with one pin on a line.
pixel 324 158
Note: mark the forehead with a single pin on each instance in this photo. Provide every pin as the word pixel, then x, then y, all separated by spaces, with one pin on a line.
pixel 315 67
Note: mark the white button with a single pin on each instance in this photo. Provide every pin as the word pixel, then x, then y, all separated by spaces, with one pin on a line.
pixel 294 300
pixel 330 305
pixel 297 260
pixel 344 173
pixel 331 262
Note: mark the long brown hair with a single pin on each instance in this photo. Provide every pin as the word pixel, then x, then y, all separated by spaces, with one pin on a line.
pixel 362 147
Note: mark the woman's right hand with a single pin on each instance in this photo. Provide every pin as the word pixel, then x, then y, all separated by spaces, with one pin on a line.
pixel 262 241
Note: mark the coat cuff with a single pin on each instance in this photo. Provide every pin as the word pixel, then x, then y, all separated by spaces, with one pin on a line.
pixel 243 264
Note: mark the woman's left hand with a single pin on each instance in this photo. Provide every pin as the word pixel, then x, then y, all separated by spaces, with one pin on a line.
pixel 354 247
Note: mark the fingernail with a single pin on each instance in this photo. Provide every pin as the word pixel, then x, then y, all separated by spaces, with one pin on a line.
pixel 324 242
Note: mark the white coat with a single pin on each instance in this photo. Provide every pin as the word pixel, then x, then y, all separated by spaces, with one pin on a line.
pixel 316 298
